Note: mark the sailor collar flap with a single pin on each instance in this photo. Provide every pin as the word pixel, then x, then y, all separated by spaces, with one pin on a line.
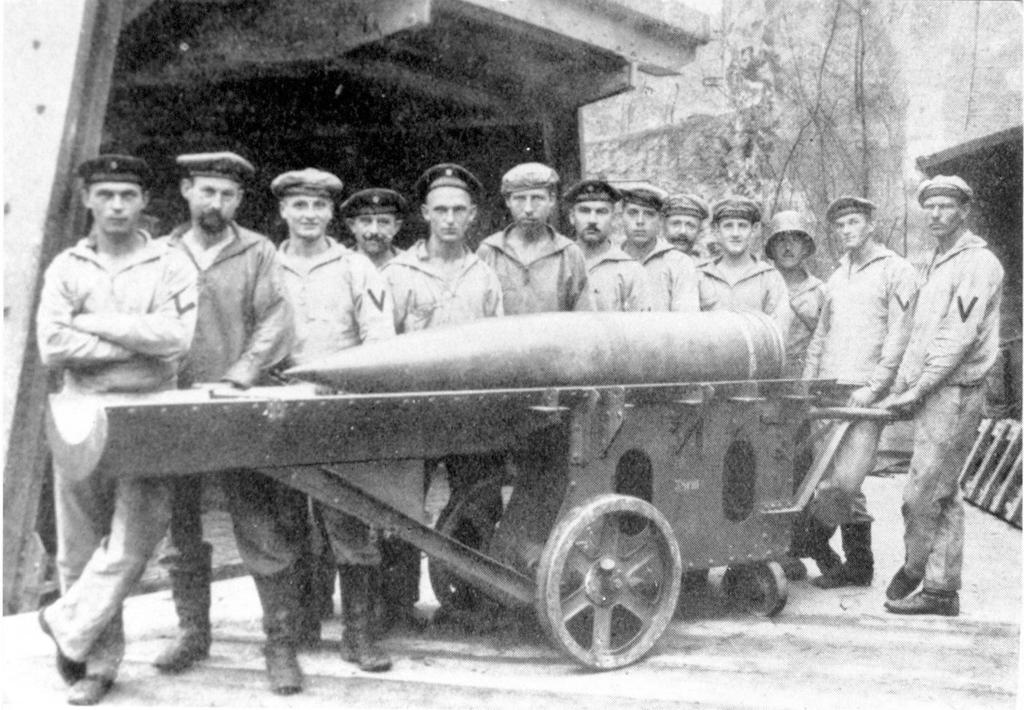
pixel 242 240
pixel 757 267
pixel 417 257
pixel 660 247
pixel 967 240
pixel 613 254
pixel 557 244
pixel 877 253
pixel 152 249
pixel 334 252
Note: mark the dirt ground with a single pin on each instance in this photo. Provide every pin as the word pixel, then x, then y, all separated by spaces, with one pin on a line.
pixel 827 649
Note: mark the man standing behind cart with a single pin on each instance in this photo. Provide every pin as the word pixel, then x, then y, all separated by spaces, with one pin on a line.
pixel 440 281
pixel 954 341
pixel 684 223
pixel 116 313
pixel 340 301
pixel 374 216
pixel 244 328
pixel 789 246
pixel 540 270
pixel 738 280
pixel 859 340
pixel 617 282
pixel 671 274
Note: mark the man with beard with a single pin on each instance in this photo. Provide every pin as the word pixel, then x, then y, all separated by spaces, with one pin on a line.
pixel 540 270
pixel 374 216
pixel 116 313
pixel 672 275
pixel 616 281
pixel 738 280
pixel 954 341
pixel 684 222
pixel 244 328
pixel 858 342
pixel 340 301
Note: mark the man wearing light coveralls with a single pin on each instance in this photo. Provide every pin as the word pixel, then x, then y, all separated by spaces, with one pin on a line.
pixel 116 313
pixel 954 341
pixel 859 340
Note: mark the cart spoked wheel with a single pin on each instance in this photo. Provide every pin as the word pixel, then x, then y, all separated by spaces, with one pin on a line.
pixel 761 587
pixel 472 521
pixel 608 581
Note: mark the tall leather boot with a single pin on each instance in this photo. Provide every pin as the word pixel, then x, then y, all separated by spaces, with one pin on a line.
pixel 400 583
pixel 190 589
pixel 280 598
pixel 859 568
pixel 359 639
pixel 819 549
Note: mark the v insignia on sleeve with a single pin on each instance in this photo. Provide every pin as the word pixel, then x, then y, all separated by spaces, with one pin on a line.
pixel 965 313
pixel 377 300
pixel 182 309
pixel 904 305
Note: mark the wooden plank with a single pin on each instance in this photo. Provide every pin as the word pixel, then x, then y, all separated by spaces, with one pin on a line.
pixel 642 34
pixel 992 449
pixel 970 468
pixel 26 461
pixel 1001 470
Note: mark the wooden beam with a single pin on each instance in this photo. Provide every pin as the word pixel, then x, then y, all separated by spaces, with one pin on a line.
pixel 647 35
pixel 27 453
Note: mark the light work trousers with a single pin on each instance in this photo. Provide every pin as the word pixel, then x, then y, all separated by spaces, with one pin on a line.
pixel 839 499
pixel 933 512
pixel 107 530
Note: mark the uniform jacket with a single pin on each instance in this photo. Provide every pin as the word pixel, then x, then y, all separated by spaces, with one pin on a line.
pixel 245 324
pixel 424 299
pixel 145 311
pixel 865 321
pixel 554 281
pixel 673 279
pixel 339 300
pixel 759 288
pixel 954 339
pixel 618 282
pixel 806 299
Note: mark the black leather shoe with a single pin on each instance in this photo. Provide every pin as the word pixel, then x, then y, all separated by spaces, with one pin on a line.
pixel 901 586
pixel 89 690
pixel 926 603
pixel 70 671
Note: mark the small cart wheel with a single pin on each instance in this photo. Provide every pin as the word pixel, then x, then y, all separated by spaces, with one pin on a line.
pixel 472 521
pixel 608 581
pixel 760 587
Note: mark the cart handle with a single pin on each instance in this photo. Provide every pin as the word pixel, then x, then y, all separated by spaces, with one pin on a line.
pixel 858 414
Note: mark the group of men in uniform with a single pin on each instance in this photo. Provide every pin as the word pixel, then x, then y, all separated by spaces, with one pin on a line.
pixel 214 304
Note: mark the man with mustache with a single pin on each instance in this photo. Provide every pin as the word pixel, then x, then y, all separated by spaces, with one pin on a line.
pixel 859 340
pixel 116 313
pixel 340 301
pixel 244 328
pixel 617 282
pixel 954 341
pixel 684 223
pixel 672 275
pixel 374 216
pixel 540 270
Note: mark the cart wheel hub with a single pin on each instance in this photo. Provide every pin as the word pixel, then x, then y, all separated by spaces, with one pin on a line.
pixel 603 582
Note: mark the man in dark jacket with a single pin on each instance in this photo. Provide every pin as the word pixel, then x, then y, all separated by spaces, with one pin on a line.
pixel 244 328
